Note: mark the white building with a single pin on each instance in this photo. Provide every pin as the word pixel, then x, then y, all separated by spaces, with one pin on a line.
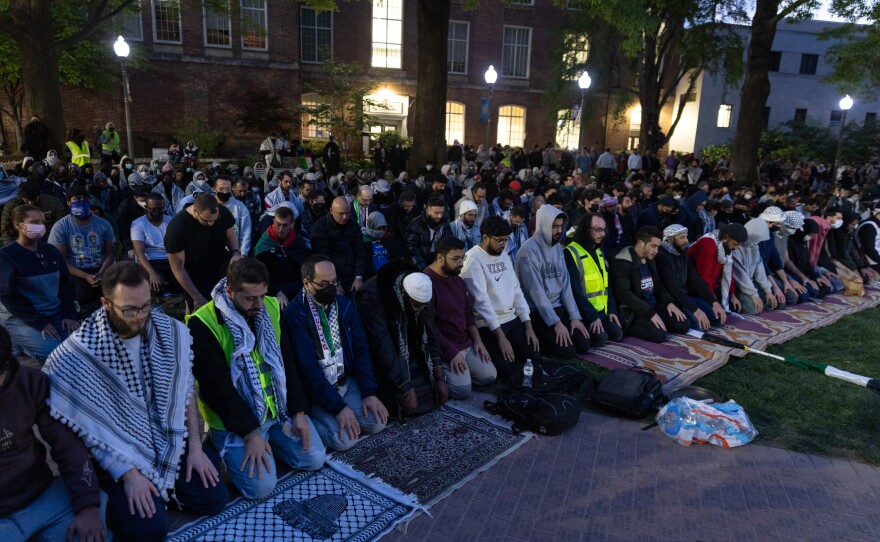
pixel 797 69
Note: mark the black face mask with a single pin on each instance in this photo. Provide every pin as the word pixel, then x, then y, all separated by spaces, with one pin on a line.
pixel 318 209
pixel 155 214
pixel 224 196
pixel 594 208
pixel 326 295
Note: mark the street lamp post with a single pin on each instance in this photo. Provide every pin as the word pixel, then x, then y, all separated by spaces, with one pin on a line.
pixel 491 76
pixel 584 83
pixel 122 49
pixel 846 104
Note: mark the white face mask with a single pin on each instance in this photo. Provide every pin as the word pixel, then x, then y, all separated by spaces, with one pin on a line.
pixel 143 204
pixel 836 224
pixel 429 168
pixel 807 237
pixel 748 196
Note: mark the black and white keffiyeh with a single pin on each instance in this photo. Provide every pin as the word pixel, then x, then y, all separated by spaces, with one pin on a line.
pixel 97 392
pixel 726 261
pixel 245 373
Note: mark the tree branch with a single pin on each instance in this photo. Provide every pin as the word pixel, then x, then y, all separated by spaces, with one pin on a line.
pixel 678 115
pixel 96 19
pixel 788 10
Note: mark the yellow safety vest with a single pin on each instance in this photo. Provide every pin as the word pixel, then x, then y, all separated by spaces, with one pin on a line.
pixel 594 274
pixel 79 155
pixel 112 145
pixel 208 315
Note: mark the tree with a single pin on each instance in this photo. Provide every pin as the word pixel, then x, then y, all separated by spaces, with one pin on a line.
pixel 669 42
pixel 756 83
pixel 429 138
pixel 856 54
pixel 42 31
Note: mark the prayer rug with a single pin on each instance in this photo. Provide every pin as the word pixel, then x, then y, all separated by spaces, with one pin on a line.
pixel 683 359
pixel 432 455
pixel 305 506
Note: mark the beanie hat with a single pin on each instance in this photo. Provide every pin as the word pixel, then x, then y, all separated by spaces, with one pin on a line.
pixel 466 206
pixel 418 287
pixel 735 231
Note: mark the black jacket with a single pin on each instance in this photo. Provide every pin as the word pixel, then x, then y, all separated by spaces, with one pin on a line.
pixel 680 277
pixel 128 212
pixel 342 243
pixel 398 220
pixel 625 280
pixel 420 239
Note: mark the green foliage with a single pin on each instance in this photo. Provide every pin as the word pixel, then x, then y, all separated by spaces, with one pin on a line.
pixel 716 153
pixel 795 140
pixel 208 139
pixel 391 138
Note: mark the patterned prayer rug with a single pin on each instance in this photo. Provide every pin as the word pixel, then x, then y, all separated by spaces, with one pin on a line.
pixel 682 359
pixel 433 455
pixel 306 506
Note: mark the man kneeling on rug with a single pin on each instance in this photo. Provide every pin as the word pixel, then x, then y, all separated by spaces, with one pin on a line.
pixel 333 358
pixel 249 390
pixel 123 382
pixel 399 320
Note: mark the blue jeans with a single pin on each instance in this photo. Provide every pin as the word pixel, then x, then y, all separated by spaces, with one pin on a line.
pixel 286 448
pixel 46 518
pixel 328 427
pixel 31 341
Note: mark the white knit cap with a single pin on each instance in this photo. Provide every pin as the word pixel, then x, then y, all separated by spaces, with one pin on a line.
pixel 674 230
pixel 465 206
pixel 418 287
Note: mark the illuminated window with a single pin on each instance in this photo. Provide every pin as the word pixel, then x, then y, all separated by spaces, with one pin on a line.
pixel 310 131
pixel 254 25
pixel 457 50
pixel 166 21
pixel 218 28
pixel 577 50
pixel 316 31
pixel 512 125
pixel 515 54
pixel 568 130
pixel 724 113
pixel 387 33
pixel 454 122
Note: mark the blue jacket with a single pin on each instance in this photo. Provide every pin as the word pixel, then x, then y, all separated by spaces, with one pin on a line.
pixel 300 326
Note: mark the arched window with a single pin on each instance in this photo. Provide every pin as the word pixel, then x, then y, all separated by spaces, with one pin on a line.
pixel 310 131
pixel 454 122
pixel 512 125
pixel 568 129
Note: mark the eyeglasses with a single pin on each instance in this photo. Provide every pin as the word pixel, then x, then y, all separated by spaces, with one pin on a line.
pixel 500 240
pixel 456 259
pixel 128 312
pixel 598 230
pixel 322 285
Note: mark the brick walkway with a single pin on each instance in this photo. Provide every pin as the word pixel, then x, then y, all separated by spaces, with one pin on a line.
pixel 606 479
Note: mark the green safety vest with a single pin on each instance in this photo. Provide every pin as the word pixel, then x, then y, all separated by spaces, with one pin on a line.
pixel 112 144
pixel 79 155
pixel 594 274
pixel 208 315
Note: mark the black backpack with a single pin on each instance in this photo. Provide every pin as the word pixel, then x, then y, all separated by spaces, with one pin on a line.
pixel 546 413
pixel 632 393
pixel 550 377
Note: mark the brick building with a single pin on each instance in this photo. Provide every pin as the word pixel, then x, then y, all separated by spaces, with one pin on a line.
pixel 223 68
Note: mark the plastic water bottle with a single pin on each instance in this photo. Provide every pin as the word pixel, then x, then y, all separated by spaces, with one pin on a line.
pixel 528 371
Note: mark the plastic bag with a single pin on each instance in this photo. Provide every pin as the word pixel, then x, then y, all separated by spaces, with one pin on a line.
pixel 722 424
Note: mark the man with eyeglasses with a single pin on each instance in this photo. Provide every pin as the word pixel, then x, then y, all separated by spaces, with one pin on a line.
pixel 333 357
pixel 465 358
pixel 282 251
pixel 250 394
pixel 148 242
pixel 123 382
pixel 196 241
pixel 540 267
pixel 588 270
pixel 503 315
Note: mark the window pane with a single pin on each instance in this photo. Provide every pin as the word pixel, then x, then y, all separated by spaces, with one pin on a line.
pixel 456 56
pixel 166 14
pixel 724 113
pixel 130 25
pixel 311 131
pixel 511 125
pixel 515 53
pixel 808 64
pixel 254 30
pixel 454 122
pixel 800 115
pixel 568 130
pixel 387 33
pixel 217 28
pixel 775 59
pixel 316 35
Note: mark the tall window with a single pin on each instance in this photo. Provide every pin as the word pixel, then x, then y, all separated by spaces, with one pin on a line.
pixel 512 125
pixel 577 51
pixel 130 24
pixel 457 50
pixel 454 122
pixel 317 35
pixel 870 120
pixel 254 25
pixel 515 54
pixel 800 115
pixel 775 59
pixel 725 111
pixel 808 64
pixel 568 130
pixel 311 131
pixel 387 33
pixel 836 117
pixel 218 28
pixel 166 21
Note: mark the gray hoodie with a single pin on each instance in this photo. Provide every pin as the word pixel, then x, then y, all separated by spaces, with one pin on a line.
pixel 748 268
pixel 540 267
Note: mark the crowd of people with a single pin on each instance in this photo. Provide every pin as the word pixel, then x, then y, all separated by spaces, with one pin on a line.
pixel 321 304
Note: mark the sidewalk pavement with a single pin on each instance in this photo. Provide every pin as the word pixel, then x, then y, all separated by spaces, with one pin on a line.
pixel 606 479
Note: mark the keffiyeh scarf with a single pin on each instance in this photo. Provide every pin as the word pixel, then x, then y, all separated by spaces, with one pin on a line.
pixel 402 337
pixel 726 260
pixel 97 393
pixel 245 373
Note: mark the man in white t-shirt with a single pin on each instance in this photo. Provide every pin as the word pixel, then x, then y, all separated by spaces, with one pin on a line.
pixel 502 311
pixel 148 240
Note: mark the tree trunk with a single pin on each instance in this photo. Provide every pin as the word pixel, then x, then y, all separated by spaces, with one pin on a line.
pixel 754 93
pixel 430 118
pixel 649 92
pixel 39 65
